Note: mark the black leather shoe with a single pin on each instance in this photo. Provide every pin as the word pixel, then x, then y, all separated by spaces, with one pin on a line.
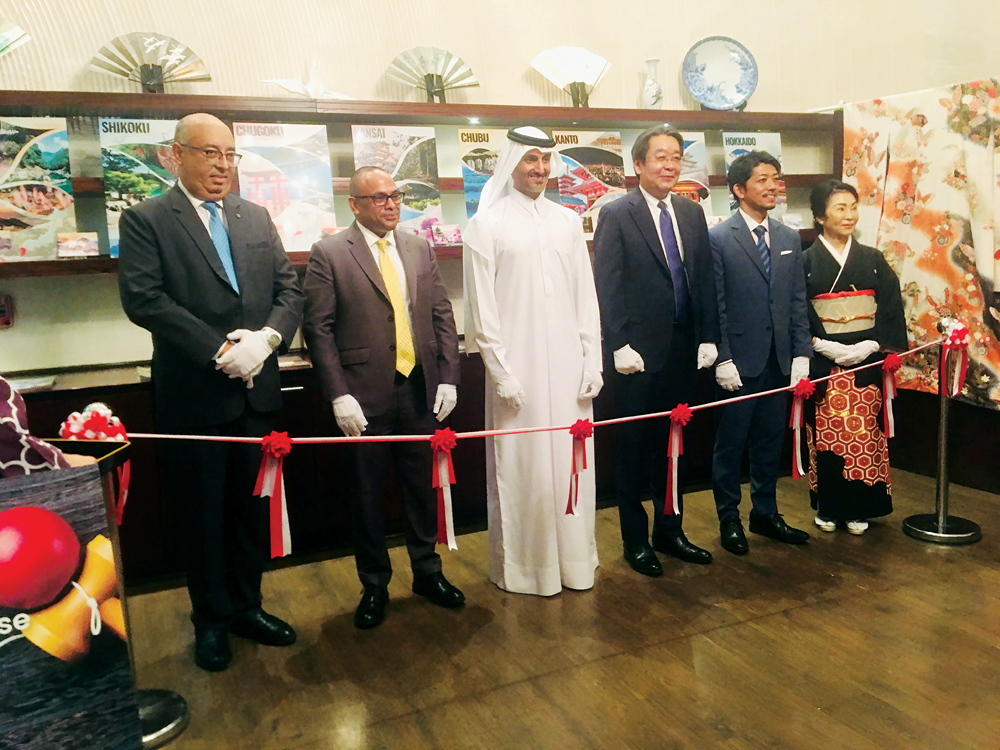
pixel 436 588
pixel 642 560
pixel 679 547
pixel 733 538
pixel 266 629
pixel 776 528
pixel 211 649
pixel 371 610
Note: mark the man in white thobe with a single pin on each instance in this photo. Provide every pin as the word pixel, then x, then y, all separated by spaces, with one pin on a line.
pixel 531 309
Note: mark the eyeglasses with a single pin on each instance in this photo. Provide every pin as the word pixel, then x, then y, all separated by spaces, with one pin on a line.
pixel 380 199
pixel 213 154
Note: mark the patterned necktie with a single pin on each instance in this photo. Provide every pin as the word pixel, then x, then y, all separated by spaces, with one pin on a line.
pixel 682 296
pixel 220 238
pixel 406 357
pixel 765 254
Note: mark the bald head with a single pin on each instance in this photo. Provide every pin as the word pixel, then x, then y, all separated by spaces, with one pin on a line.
pixel 201 142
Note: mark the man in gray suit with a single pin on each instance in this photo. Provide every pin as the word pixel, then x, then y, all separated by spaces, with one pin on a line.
pixel 764 344
pixel 381 335
pixel 206 274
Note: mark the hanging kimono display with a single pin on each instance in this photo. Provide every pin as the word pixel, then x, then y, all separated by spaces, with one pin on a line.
pixel 926 169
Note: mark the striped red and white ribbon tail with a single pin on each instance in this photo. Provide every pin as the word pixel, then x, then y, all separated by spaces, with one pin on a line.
pixel 960 366
pixel 124 476
pixel 798 407
pixel 675 449
pixel 444 478
pixel 271 484
pixel 579 464
pixel 888 394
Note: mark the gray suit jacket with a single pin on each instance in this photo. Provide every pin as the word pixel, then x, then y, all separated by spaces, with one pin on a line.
pixel 172 283
pixel 755 310
pixel 349 326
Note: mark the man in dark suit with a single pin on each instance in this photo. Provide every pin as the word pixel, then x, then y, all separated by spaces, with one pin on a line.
pixel 653 268
pixel 206 274
pixel 764 344
pixel 381 335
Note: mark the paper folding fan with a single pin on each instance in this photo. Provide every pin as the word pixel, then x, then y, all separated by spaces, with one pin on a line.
pixel 151 59
pixel 433 69
pixel 574 69
pixel 11 37
pixel 310 87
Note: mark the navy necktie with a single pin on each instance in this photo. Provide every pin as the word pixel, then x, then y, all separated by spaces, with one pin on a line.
pixel 682 296
pixel 220 238
pixel 765 253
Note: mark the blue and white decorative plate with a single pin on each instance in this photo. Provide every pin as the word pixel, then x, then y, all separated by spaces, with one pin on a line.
pixel 719 72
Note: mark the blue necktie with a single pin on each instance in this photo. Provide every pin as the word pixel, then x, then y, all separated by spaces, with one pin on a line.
pixel 682 296
pixel 220 238
pixel 765 254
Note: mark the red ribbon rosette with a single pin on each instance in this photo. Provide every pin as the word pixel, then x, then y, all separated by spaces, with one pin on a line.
pixel 958 340
pixel 98 423
pixel 442 443
pixel 580 430
pixel 890 367
pixel 679 417
pixel 803 389
pixel 271 484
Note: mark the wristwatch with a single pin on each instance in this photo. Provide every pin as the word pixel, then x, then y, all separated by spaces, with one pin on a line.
pixel 273 338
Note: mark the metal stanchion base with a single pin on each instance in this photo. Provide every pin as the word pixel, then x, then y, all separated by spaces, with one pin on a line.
pixel 163 715
pixel 924 527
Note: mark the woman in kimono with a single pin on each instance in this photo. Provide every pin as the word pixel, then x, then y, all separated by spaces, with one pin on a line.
pixel 856 317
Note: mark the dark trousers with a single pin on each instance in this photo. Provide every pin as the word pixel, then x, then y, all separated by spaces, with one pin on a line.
pixel 225 526
pixel 761 422
pixel 407 415
pixel 645 442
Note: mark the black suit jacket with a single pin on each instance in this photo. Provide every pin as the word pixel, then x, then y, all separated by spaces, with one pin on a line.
pixel 172 283
pixel 349 325
pixel 634 287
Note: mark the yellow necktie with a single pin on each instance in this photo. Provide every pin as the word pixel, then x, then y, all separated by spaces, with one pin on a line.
pixel 406 357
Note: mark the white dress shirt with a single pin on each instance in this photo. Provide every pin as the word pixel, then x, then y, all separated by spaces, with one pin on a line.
pixel 390 237
pixel 840 257
pixel 203 213
pixel 654 210
pixel 753 224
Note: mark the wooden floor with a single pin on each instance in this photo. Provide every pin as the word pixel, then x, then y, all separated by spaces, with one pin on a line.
pixel 849 642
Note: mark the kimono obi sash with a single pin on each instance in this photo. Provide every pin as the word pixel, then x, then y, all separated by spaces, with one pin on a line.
pixel 846 312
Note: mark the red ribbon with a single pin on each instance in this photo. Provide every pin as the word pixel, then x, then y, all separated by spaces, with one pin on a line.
pixel 679 417
pixel 271 484
pixel 958 341
pixel 580 430
pixel 803 389
pixel 890 367
pixel 442 443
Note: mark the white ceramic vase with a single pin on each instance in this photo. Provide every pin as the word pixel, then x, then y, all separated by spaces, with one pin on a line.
pixel 652 91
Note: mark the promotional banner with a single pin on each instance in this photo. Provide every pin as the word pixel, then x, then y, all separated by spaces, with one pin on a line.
pixel 594 174
pixel 36 196
pixel 737 144
pixel 65 678
pixel 286 169
pixel 693 182
pixel 138 164
pixel 479 150
pixel 409 154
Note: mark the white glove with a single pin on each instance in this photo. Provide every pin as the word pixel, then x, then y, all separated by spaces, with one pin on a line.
pixel 511 392
pixel 445 400
pixel 628 361
pixel 246 356
pixel 831 349
pixel 800 369
pixel 707 354
pixel 350 419
pixel 727 376
pixel 591 385
pixel 858 353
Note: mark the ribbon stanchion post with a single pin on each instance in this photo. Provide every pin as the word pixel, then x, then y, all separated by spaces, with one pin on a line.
pixel 890 367
pixel 442 443
pixel 581 430
pixel 679 417
pixel 803 389
pixel 271 484
pixel 96 422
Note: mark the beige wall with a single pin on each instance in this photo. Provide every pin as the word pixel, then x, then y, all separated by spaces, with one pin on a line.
pixel 810 54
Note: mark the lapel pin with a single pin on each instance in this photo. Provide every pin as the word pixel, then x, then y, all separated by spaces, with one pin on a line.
pixel 237 216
